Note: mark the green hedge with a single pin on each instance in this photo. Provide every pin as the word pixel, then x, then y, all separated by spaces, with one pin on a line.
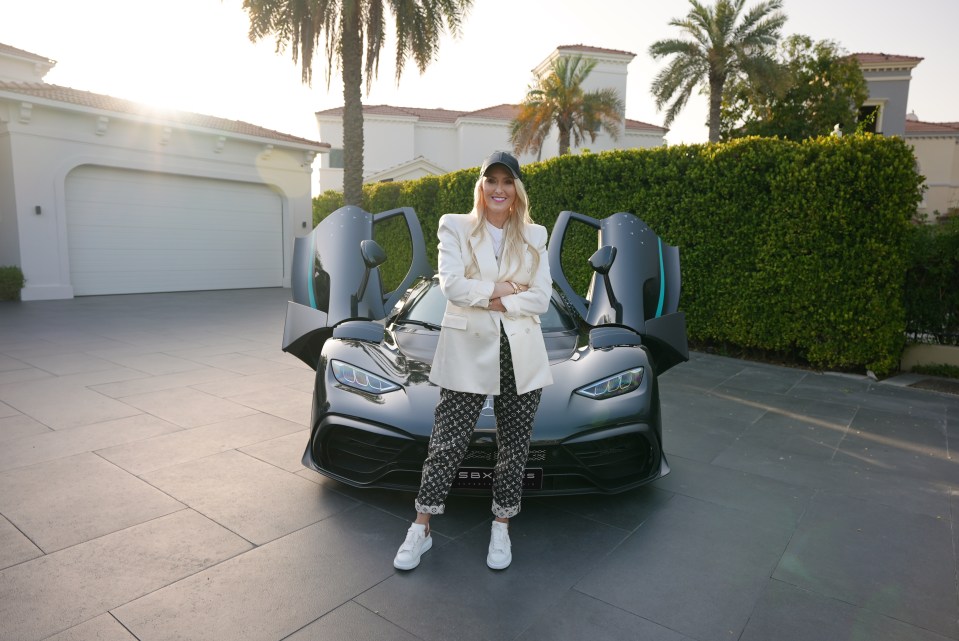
pixel 11 282
pixel 932 284
pixel 796 248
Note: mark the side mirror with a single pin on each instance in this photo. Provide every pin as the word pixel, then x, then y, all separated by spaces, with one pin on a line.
pixel 373 256
pixel 602 259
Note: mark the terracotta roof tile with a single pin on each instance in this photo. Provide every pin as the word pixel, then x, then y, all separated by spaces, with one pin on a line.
pixel 920 127
pixel 24 54
pixel 637 125
pixel 499 112
pixel 588 49
pixel 505 112
pixel 118 105
pixel 879 58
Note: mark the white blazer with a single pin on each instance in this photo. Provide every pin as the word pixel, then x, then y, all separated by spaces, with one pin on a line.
pixel 467 355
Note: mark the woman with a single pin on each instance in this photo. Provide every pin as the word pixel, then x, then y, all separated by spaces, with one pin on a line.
pixel 495 275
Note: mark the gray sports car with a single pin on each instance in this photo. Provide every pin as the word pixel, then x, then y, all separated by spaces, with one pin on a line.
pixel 598 428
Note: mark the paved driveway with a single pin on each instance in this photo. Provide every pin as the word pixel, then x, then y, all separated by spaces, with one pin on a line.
pixel 150 488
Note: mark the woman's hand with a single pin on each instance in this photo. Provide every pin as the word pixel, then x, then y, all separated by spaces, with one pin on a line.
pixel 505 288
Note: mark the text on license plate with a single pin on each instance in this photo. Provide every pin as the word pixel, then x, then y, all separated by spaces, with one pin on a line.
pixel 480 478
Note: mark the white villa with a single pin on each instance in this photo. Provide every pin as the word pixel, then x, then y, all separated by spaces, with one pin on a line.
pixel 402 143
pixel 935 144
pixel 100 195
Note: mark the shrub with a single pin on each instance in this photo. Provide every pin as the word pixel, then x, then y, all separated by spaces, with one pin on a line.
pixel 795 248
pixel 931 292
pixel 11 282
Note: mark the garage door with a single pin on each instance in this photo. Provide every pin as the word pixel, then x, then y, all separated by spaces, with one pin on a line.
pixel 132 232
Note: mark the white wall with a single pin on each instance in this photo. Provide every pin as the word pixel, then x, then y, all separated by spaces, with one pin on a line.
pixel 464 144
pixel 45 147
pixel 938 159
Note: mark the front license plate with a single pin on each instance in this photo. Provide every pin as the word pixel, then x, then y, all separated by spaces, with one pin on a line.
pixel 481 478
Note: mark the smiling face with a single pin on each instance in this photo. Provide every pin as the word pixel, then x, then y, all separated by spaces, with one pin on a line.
pixel 499 194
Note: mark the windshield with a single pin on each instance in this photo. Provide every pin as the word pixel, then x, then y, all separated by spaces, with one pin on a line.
pixel 429 308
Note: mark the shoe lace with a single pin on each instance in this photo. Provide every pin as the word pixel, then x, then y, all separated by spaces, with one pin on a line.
pixel 413 538
pixel 500 539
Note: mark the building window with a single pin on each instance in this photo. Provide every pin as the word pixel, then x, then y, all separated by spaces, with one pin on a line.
pixel 336 159
pixel 869 118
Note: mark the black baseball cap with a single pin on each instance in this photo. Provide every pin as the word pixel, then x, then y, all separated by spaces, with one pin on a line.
pixel 503 158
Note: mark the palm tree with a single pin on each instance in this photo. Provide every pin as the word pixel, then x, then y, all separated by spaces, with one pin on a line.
pixel 720 47
pixel 352 33
pixel 558 98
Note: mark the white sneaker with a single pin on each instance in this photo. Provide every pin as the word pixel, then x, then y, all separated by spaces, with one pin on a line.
pixel 499 556
pixel 418 541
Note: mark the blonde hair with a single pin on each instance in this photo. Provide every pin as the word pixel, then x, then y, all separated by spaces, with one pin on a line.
pixel 514 238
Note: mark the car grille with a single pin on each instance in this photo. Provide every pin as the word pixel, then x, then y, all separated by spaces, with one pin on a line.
pixel 609 464
pixel 488 457
pixel 355 452
pixel 616 457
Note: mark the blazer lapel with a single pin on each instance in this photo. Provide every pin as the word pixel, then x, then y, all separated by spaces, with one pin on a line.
pixel 485 256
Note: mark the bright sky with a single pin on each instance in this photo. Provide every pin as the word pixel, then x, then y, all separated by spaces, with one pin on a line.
pixel 194 55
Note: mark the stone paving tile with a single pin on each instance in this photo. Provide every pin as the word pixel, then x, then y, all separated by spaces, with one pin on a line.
pixel 258 501
pixel 774 500
pixel 201 374
pixel 17 425
pixel 479 603
pixel 577 617
pixel 14 546
pixel 50 445
pixel 913 446
pixel 155 363
pixel 187 407
pixel 786 613
pixel 351 621
pixel 9 364
pixel 7 411
pixel 274 590
pixel 62 364
pixel 74 405
pixel 285 452
pixel 285 402
pixel 851 477
pixel 64 502
pixel 694 567
pixel 227 388
pixel 241 363
pixel 58 591
pixel 626 511
pixel 14 376
pixel 217 350
pixel 196 443
pixel 890 561
pixel 101 628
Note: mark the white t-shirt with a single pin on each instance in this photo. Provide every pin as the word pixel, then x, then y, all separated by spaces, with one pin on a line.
pixel 497 235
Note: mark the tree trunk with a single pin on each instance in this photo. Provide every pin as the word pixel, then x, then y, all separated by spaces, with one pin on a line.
pixel 563 140
pixel 352 105
pixel 715 103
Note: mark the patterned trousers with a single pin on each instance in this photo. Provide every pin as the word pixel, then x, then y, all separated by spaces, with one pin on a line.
pixel 456 416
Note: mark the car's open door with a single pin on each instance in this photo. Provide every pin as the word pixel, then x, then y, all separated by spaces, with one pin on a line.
pixel 635 284
pixel 336 279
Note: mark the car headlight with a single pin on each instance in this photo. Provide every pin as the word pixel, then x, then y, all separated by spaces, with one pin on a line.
pixel 361 379
pixel 616 385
